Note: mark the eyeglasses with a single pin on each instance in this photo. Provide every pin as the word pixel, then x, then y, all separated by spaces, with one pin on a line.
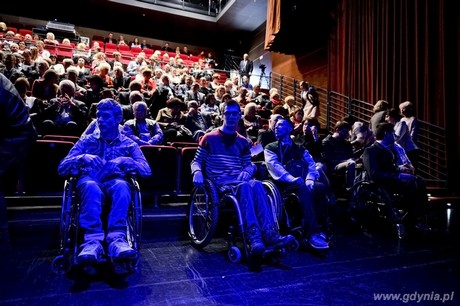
pixel 235 114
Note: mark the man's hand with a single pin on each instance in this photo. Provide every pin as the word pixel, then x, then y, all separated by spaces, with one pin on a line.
pixel 298 181
pixel 310 184
pixel 92 161
pixel 124 164
pixel 244 176
pixel 405 177
pixel 198 179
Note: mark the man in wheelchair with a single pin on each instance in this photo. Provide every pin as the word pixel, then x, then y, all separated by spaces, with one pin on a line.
pixel 387 165
pixel 101 161
pixel 294 169
pixel 224 157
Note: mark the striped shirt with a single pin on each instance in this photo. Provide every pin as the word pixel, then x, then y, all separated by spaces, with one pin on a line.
pixel 222 157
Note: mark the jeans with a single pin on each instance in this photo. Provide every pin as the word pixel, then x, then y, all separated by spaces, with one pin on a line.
pixel 255 209
pixel 93 195
pixel 305 196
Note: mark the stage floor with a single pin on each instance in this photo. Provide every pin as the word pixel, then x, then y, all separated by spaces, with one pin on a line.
pixel 359 267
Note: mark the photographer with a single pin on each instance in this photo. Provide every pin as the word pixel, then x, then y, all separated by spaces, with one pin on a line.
pixel 65 114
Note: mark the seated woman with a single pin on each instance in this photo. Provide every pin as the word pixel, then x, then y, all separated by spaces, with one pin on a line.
pixel 252 121
pixel 171 120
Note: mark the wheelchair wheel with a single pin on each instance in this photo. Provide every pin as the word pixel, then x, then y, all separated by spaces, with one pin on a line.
pixel 203 214
pixel 134 231
pixel 62 263
pixel 369 201
pixel 274 199
pixel 234 254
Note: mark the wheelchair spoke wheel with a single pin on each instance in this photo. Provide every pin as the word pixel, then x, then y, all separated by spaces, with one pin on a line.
pixel 203 214
pixel 274 200
pixel 369 201
pixel 67 214
pixel 135 217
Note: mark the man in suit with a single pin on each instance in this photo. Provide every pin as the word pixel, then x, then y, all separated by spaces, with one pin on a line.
pixel 246 66
pixel 195 94
pixel 388 165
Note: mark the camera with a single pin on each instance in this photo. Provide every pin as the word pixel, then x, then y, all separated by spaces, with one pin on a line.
pixel 262 67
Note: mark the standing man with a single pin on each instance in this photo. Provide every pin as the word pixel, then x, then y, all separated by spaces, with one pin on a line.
pixel 224 157
pixel 246 66
pixel 17 134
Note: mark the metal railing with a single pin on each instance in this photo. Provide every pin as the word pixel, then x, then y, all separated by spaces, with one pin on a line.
pixel 334 106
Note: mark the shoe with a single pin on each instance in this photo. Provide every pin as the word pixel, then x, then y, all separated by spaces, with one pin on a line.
pixel 256 246
pixel 91 252
pixel 120 249
pixel 318 241
pixel 275 240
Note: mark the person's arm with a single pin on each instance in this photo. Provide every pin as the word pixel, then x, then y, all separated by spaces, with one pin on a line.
pixel 159 117
pixel 399 130
pixel 128 131
pixel 313 173
pixel 142 166
pixel 197 163
pixel 275 168
pixel 73 161
pixel 157 133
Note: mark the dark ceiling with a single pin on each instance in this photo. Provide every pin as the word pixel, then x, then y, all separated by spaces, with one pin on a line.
pixel 304 23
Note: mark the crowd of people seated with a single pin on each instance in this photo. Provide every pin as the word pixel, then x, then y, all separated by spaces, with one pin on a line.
pixel 163 101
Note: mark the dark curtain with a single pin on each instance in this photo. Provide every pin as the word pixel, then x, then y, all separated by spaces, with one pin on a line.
pixel 393 50
pixel 273 24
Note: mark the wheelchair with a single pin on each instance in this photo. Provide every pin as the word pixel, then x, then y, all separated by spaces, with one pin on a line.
pixel 70 234
pixel 205 207
pixel 287 207
pixel 370 202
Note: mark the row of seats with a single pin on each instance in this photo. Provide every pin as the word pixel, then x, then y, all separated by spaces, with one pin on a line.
pixel 38 175
pixel 127 53
pixel 22 32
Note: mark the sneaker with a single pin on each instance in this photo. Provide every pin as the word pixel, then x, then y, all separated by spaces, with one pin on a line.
pixel 275 240
pixel 120 249
pixel 91 252
pixel 318 241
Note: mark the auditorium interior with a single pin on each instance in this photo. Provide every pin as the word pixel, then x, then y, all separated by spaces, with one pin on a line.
pixel 354 52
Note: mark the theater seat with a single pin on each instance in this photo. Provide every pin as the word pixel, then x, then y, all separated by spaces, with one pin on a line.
pixel 40 167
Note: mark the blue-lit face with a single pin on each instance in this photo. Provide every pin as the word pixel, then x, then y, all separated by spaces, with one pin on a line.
pixel 282 128
pixel 107 122
pixel 232 114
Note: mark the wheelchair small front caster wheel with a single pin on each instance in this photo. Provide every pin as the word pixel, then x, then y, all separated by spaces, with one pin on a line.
pixel 60 265
pixel 234 254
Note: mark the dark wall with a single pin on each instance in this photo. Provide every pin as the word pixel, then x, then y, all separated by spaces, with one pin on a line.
pixel 113 17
